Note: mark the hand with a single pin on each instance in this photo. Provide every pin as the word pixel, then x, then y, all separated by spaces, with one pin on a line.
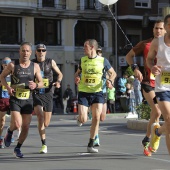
pixel 32 85
pixel 138 74
pixel 109 84
pixel 57 84
pixel 156 70
pixel 10 91
pixel 77 80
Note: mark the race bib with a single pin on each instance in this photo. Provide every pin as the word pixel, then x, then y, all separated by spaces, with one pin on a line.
pixel 165 79
pixel 4 88
pixel 22 93
pixel 91 80
pixel 152 77
pixel 46 83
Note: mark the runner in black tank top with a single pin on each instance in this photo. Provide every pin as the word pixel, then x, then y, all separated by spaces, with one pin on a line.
pixel 43 98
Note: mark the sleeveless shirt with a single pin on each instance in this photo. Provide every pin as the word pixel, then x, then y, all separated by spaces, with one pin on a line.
pixel 162 82
pixel 47 75
pixel 20 80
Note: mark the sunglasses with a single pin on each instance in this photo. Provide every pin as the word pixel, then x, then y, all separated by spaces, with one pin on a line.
pixel 41 50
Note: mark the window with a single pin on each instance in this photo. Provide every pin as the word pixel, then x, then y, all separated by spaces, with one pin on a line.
pixel 88 30
pixel 143 3
pixel 10 30
pixel 48 3
pixel 47 31
pixel 89 4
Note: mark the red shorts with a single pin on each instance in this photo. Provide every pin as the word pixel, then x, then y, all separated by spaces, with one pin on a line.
pixel 4 105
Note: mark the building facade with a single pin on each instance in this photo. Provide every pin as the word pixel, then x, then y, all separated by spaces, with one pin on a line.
pixel 136 18
pixel 62 25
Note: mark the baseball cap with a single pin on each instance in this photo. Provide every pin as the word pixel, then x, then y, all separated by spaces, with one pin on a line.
pixel 40 46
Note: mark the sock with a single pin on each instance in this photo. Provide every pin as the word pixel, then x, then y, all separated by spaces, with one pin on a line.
pixel 90 144
pixel 146 139
pixel 43 142
pixel 156 132
pixel 10 132
pixel 18 145
pixel 97 136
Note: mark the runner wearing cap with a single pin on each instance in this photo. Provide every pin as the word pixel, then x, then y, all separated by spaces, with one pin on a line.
pixel 43 98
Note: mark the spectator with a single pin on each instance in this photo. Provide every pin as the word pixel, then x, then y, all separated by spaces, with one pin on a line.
pixel 68 94
pixel 137 90
pixel 122 84
pixel 111 99
pixel 58 96
pixel 131 98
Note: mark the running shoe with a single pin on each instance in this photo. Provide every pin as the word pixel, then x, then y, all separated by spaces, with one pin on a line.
pixel 7 139
pixel 78 122
pixel 155 140
pixel 18 153
pixel 43 149
pixel 1 144
pixel 146 150
pixel 12 139
pixel 96 141
pixel 90 116
pixel 92 150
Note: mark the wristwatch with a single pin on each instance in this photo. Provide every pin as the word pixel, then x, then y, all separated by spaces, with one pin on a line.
pixel 58 81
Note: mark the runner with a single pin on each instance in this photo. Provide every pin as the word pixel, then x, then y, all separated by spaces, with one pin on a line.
pixel 43 97
pixel 23 72
pixel 90 88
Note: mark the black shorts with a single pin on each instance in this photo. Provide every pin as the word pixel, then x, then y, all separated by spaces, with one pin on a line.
pixel 22 106
pixel 44 100
pixel 147 88
pixel 87 99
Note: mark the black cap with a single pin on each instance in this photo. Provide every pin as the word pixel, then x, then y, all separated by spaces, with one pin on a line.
pixel 40 46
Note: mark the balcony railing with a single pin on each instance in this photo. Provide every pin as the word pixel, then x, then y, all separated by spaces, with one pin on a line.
pixel 104 8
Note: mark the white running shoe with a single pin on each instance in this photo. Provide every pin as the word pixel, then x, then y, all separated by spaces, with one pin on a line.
pixel 92 150
pixel 131 115
pixel 78 122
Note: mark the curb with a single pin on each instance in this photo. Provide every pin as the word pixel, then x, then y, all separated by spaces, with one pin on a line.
pixel 139 124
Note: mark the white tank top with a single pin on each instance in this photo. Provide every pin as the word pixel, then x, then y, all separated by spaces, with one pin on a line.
pixel 162 81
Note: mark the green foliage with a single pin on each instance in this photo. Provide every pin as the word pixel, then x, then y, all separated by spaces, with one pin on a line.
pixel 144 111
pixel 129 71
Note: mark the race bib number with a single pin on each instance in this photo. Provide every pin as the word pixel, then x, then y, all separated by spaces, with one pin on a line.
pixel 91 81
pixel 22 93
pixel 152 77
pixel 165 79
pixel 46 83
pixel 4 88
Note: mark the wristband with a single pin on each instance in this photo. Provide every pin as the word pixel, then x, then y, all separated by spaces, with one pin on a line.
pixel 58 81
pixel 36 85
pixel 134 66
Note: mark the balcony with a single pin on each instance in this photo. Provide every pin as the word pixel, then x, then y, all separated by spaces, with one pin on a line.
pixel 19 4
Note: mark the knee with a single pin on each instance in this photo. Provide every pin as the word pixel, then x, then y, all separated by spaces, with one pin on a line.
pixel 97 118
pixel 46 124
pixel 2 124
pixel 25 128
pixel 83 120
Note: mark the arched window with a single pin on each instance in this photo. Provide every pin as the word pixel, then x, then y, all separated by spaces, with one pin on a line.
pixel 88 30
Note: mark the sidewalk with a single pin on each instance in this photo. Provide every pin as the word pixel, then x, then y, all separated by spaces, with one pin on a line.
pixel 132 123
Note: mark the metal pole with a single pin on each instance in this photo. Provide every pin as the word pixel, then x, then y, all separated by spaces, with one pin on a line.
pixel 116 57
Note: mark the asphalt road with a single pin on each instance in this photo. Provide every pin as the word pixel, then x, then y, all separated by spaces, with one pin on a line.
pixel 120 148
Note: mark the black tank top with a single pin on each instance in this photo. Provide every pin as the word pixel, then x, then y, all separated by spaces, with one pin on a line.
pixel 21 77
pixel 47 73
